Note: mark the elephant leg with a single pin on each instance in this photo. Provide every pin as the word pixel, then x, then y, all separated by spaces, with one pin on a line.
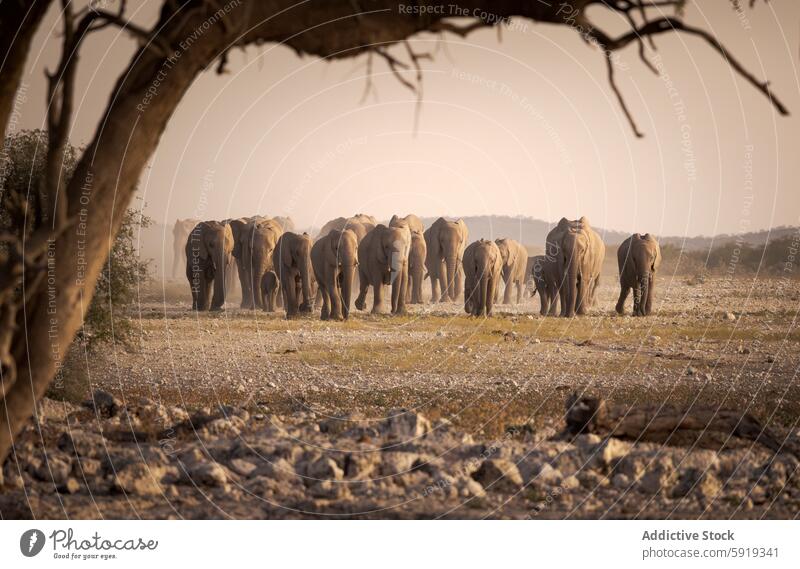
pixel 648 305
pixel 645 292
pixel 401 297
pixel 554 296
pixel 289 294
pixel 194 287
pixel 377 299
pixel 325 313
pixel 493 285
pixel 363 285
pixel 637 296
pixel 434 288
pixel 507 291
pixel 624 290
pixel 443 287
pixel 205 292
pixel 333 292
pixel 547 303
pixel 580 304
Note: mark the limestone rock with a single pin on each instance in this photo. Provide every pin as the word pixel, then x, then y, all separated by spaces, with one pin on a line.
pixel 499 475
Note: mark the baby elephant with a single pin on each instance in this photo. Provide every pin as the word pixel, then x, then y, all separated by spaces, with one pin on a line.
pixel 270 286
pixel 639 257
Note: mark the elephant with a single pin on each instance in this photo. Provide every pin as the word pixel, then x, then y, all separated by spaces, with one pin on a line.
pixel 291 261
pixel 543 271
pixel 270 289
pixel 638 257
pixel 417 254
pixel 579 252
pixel 411 221
pixel 360 224
pixel 515 256
pixel 257 241
pixel 383 260
pixel 445 241
pixel 180 233
pixel 286 222
pixel 334 258
pixel 530 282
pixel 238 228
pixel 483 269
pixel 209 257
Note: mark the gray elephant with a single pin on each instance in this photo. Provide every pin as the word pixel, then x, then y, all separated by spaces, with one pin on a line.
pixel 270 290
pixel 286 222
pixel 291 261
pixel 334 258
pixel 638 257
pixel 411 221
pixel 445 241
pixel 543 273
pixel 258 240
pixel 579 252
pixel 360 224
pixel 209 257
pixel 483 266
pixel 417 254
pixel 238 229
pixel 515 257
pixel 180 233
pixel 383 260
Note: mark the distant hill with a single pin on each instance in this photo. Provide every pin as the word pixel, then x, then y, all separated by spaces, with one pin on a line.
pixel 754 238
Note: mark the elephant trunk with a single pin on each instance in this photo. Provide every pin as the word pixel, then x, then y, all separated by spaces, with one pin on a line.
pixel 450 276
pixel 396 282
pixel 483 301
pixel 348 275
pixel 257 270
pixel 305 275
pixel 221 268
pixel 572 287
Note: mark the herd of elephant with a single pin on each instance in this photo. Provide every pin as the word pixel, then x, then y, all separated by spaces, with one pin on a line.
pixel 277 266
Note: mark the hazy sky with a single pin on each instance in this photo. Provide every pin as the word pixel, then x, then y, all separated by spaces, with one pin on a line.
pixel 523 126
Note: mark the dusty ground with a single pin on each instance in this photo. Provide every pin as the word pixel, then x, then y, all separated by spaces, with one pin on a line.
pixel 301 388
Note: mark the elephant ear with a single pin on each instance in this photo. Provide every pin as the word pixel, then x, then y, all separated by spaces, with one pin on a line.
pixel 512 254
pixel 380 253
pixel 334 237
pixel 286 252
pixel 432 242
pixel 237 228
pixel 202 231
pixel 657 259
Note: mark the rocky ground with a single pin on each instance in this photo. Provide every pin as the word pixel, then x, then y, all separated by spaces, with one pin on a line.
pixel 244 414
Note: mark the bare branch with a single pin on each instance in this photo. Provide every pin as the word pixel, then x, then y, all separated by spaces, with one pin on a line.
pixel 612 82
pixel 368 87
pixel 463 31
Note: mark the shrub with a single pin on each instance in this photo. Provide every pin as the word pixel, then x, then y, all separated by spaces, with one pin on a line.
pixel 22 171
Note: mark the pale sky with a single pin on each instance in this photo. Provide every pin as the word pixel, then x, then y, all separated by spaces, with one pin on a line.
pixel 523 126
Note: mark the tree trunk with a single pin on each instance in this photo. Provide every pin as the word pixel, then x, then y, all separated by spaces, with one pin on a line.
pixel 18 25
pixel 98 195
